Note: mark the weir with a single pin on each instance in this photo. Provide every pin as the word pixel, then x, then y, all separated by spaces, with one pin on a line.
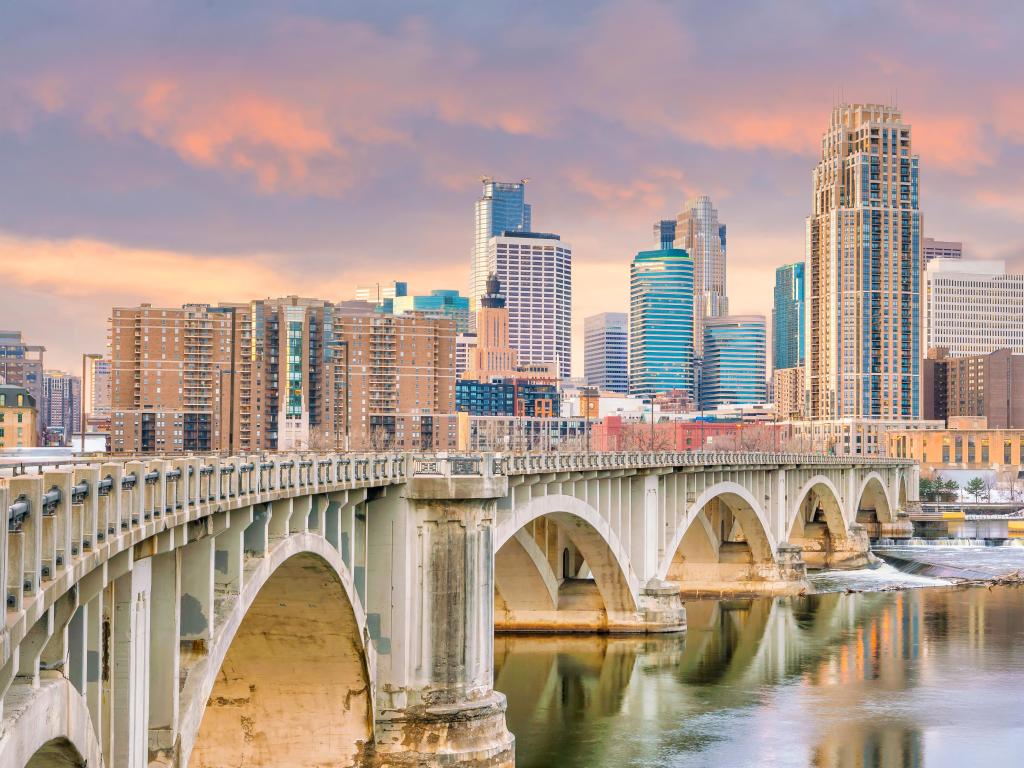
pixel 341 608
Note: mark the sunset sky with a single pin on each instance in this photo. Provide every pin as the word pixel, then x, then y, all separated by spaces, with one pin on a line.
pixel 216 151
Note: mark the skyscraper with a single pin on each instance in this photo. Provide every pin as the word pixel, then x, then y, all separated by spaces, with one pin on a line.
pixel 96 397
pixel 665 233
pixel 734 361
pixel 973 307
pixel 788 317
pixel 501 208
pixel 864 269
pixel 661 322
pixel 62 406
pixel 700 234
pixel 606 351
pixel 535 273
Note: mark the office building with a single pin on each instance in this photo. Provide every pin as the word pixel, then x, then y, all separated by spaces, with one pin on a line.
pixel 970 444
pixel 61 410
pixel 788 317
pixel 501 208
pixel 96 396
pixel 465 343
pixel 990 386
pixel 665 234
pixel 973 307
pixel 535 273
pixel 492 356
pixel 21 365
pixel 18 416
pixel 661 322
pixel 863 276
pixel 940 249
pixel 382 295
pixel 700 234
pixel 734 361
pixel 788 393
pixel 439 303
pixel 606 351
pixel 485 398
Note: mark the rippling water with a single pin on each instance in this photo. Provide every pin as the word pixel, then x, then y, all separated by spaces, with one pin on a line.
pixel 922 677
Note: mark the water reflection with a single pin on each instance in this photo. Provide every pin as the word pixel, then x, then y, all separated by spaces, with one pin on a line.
pixel 883 680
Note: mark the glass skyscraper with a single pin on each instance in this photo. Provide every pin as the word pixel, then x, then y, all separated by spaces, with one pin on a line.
pixel 734 361
pixel 501 208
pixel 700 234
pixel 439 303
pixel 788 317
pixel 661 322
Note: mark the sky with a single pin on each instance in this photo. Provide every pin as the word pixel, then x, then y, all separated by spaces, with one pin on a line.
pixel 221 151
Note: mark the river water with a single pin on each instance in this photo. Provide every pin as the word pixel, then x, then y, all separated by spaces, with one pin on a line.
pixel 925 676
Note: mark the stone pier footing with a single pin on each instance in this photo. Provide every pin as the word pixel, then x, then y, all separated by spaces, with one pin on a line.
pixel 469 734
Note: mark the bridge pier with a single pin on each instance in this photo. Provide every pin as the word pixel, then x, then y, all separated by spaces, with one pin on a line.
pixel 436 700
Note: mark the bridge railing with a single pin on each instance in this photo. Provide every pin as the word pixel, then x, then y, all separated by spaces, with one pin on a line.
pixel 58 516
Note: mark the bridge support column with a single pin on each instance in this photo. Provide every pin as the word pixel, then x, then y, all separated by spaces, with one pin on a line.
pixel 431 616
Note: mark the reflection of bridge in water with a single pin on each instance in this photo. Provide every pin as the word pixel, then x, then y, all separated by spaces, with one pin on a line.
pixel 322 609
pixel 733 650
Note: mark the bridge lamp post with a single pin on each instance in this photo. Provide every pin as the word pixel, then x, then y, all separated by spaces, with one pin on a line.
pixel 81 396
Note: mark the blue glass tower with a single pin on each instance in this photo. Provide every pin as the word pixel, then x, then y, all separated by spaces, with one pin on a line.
pixel 788 317
pixel 734 361
pixel 661 322
pixel 443 303
pixel 501 208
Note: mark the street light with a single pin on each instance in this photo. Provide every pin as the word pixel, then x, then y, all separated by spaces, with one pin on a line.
pixel 81 396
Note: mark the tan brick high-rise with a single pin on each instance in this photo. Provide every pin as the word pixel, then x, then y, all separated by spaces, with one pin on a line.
pixel 864 269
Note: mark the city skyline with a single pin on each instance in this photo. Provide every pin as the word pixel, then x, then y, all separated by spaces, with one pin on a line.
pixel 296 196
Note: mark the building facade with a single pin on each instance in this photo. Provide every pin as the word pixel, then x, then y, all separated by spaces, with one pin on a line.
pixel 606 351
pixel 501 208
pixel 661 318
pixel 280 374
pixel 864 269
pixel 976 446
pixel 21 365
pixel 18 415
pixel 665 234
pixel 735 351
pixel 700 234
pixel 382 295
pixel 788 392
pixel 439 303
pixel 535 273
pixel 973 307
pixel 940 249
pixel 492 356
pixel 989 386
pixel 96 396
pixel 789 317
pixel 61 410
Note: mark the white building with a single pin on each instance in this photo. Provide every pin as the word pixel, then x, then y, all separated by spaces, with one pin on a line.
pixel 940 249
pixel 973 307
pixel 535 272
pixel 606 351
pixel 464 344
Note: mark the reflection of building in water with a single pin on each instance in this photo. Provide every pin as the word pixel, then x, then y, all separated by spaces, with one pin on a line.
pixel 895 745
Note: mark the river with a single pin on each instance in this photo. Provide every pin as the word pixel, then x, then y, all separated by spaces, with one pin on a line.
pixel 924 677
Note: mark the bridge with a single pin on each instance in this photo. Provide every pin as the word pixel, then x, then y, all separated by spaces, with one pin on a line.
pixel 340 609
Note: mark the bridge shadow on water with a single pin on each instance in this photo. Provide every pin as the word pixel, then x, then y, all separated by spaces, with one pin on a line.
pixel 883 680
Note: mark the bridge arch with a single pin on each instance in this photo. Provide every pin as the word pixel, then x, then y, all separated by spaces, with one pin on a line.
pixel 873 496
pixel 288 679
pixel 821 489
pixel 589 533
pixel 748 514
pixel 58 729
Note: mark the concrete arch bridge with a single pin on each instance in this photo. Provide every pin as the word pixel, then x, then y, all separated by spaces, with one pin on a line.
pixel 302 610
